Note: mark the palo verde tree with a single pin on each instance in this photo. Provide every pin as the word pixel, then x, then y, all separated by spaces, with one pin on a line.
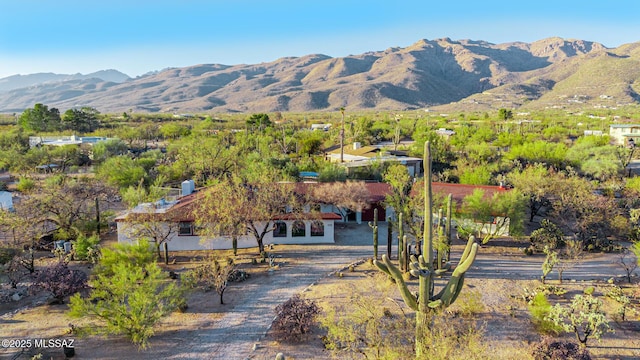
pixel 422 267
pixel 129 296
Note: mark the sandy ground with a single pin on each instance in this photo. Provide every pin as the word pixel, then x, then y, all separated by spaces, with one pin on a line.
pixel 240 328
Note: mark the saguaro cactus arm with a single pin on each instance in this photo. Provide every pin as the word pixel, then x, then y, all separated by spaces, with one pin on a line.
pixel 387 267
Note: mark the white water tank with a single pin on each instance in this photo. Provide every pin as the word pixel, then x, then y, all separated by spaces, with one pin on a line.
pixel 188 186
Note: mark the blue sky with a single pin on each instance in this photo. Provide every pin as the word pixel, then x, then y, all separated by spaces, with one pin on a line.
pixel 137 36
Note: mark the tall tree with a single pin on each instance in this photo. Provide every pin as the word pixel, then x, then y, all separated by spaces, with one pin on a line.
pixel 69 202
pixel 582 212
pixel 81 120
pixel 233 207
pixel 345 196
pixel 40 118
pixel 493 216
pixel 536 182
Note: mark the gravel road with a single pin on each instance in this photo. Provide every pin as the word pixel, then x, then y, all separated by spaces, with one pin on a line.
pixel 245 325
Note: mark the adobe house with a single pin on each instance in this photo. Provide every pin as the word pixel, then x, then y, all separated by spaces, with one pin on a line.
pixel 175 217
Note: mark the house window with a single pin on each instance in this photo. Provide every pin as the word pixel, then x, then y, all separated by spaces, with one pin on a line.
pixel 185 228
pixel 280 229
pixel 317 228
pixel 298 229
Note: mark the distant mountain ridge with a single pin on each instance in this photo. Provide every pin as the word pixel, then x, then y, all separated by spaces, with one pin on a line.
pixel 20 81
pixel 442 73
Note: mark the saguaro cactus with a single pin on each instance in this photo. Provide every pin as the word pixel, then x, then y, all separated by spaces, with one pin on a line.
pixel 422 267
pixel 401 243
pixel 374 226
pixel 447 226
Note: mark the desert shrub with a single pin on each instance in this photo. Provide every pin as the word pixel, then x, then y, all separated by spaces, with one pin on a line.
pixel 129 295
pixel 539 308
pixel 455 339
pixel 212 274
pixel 548 235
pixel 14 271
pixel 589 290
pixel 548 289
pixel 7 254
pixel 366 326
pixel 294 318
pixel 83 244
pixel 25 184
pixel 551 349
pixel 583 316
pixel 60 281
pixel 469 304
pixel 617 294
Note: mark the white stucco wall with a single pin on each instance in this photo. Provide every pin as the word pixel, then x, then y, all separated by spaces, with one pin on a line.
pixel 182 242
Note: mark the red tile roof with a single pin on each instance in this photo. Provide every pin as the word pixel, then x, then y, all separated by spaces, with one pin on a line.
pixel 183 210
pixel 459 191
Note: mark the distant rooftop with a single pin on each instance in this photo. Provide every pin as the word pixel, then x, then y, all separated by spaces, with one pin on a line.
pixel 64 140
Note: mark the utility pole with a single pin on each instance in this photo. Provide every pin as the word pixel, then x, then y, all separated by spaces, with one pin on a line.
pixel 342 137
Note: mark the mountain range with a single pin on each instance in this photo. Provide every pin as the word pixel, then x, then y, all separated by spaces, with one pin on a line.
pixel 442 74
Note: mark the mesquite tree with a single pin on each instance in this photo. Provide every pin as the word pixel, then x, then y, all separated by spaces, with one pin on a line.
pixel 422 267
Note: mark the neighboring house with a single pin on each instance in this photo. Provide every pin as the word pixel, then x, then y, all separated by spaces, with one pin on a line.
pixel 625 134
pixel 178 215
pixel 356 155
pixel 323 127
pixel 445 133
pixel 64 140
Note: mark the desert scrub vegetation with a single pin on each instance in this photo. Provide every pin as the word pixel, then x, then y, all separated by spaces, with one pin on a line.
pixel 552 349
pixel 583 316
pixel 539 308
pixel 469 304
pixel 295 318
pixel 374 323
pixel 130 294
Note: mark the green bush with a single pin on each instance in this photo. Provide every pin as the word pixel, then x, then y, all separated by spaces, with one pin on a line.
pixel 25 184
pixel 82 245
pixel 539 308
pixel 129 295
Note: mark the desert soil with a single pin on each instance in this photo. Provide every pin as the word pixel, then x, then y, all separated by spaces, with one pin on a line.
pixel 240 328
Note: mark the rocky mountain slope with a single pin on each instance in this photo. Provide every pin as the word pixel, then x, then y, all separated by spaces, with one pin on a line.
pixel 464 74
